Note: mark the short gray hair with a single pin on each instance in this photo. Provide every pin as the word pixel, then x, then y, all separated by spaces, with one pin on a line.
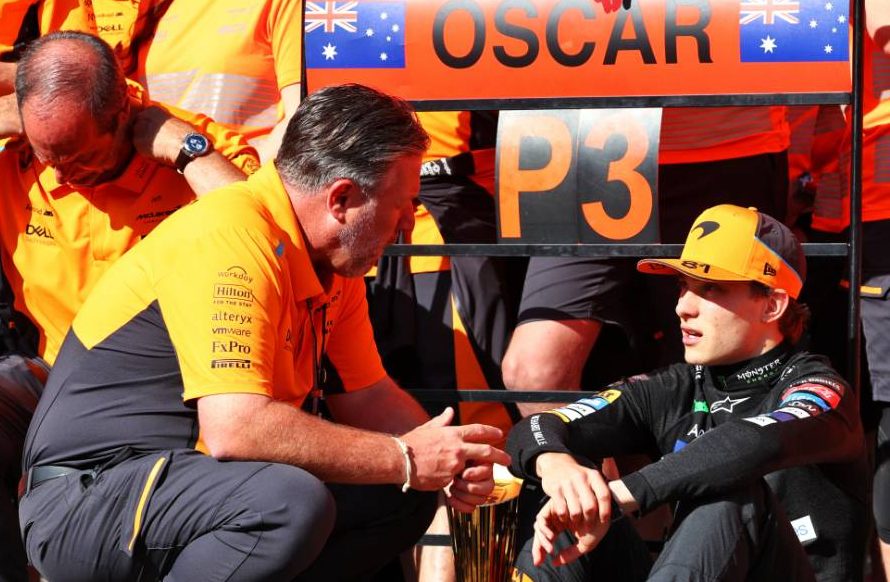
pixel 347 131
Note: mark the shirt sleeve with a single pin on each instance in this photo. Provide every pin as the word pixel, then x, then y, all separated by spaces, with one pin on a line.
pixel 605 423
pixel 815 421
pixel 286 40
pixel 351 349
pixel 228 278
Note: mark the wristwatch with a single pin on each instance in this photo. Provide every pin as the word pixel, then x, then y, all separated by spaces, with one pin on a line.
pixel 194 145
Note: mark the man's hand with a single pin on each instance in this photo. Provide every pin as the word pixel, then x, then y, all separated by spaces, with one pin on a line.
pixel 439 452
pixel 578 496
pixel 549 524
pixel 471 487
pixel 158 135
pixel 580 502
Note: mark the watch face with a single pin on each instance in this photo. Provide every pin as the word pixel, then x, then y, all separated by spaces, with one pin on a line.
pixel 195 144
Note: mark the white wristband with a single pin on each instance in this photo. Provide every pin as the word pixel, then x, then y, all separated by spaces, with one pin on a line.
pixel 404 448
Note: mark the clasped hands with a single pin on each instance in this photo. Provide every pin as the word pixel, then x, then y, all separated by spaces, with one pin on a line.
pixel 580 502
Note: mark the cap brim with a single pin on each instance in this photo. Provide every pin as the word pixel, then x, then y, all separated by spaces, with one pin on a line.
pixel 690 268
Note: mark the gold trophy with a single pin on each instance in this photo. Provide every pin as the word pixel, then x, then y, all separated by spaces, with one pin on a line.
pixel 484 542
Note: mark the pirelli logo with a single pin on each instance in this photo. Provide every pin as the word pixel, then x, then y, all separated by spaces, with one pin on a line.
pixel 229 291
pixel 229 363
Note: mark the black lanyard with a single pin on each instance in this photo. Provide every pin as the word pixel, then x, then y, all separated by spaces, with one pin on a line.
pixel 319 373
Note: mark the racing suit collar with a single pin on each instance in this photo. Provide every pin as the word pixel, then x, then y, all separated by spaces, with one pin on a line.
pixel 760 370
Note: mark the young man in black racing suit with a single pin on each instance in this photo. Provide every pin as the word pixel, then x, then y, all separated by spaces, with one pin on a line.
pixel 756 441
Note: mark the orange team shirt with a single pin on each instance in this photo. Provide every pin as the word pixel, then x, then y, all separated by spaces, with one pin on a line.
pixel 228 59
pixel 708 134
pixel 816 133
pixel 52 15
pixel 118 22
pixel 449 133
pixel 56 242
pixel 833 208
pixel 802 123
pixel 257 319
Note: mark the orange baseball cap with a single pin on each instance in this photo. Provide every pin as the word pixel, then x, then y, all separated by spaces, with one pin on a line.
pixel 731 243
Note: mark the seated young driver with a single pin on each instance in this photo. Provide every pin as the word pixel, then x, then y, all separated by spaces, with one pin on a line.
pixel 753 439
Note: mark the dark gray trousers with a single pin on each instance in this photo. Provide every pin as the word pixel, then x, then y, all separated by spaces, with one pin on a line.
pixel 209 520
pixel 21 383
pixel 740 536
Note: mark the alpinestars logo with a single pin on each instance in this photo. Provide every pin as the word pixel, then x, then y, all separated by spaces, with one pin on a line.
pixel 727 404
pixel 707 227
pixel 769 270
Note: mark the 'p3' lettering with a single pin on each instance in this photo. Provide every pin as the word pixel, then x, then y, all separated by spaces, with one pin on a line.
pixel 570 176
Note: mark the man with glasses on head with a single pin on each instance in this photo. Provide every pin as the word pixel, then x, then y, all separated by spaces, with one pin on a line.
pixel 752 439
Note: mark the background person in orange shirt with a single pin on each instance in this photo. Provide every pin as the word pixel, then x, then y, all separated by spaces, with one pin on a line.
pixel 92 175
pixel 237 61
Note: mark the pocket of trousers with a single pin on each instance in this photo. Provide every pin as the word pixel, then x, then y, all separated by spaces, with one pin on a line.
pixel 145 481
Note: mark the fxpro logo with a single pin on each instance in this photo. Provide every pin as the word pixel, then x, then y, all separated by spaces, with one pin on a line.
pixel 231 291
pixel 230 346
pixel 230 363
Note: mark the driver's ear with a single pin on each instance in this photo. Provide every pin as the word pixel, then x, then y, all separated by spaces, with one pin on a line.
pixel 775 305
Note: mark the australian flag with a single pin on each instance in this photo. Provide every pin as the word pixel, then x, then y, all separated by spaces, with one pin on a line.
pixel 794 31
pixel 355 35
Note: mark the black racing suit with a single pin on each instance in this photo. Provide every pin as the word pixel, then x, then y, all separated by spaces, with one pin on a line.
pixel 786 416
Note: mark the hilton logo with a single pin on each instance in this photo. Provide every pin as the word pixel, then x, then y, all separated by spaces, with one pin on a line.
pixel 224 291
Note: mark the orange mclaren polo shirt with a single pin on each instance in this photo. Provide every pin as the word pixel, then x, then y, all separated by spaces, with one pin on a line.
pixel 226 58
pixel 57 241
pixel 221 298
pixel 707 134
pixel 832 211
pixel 52 15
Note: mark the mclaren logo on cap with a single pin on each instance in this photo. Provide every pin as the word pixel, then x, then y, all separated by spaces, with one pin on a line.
pixel 707 227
